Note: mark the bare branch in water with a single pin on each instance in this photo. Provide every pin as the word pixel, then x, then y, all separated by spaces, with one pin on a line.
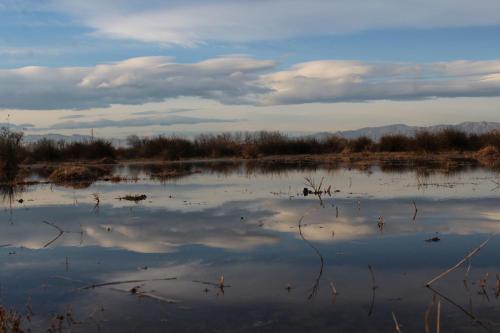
pixel 316 189
pixel 461 308
pixel 374 287
pixel 314 289
pixel 334 291
pixel 141 294
pixel 438 317
pixel 61 232
pixel 396 324
pixel 467 257
pixel 416 211
pixel 427 314
pixel 113 283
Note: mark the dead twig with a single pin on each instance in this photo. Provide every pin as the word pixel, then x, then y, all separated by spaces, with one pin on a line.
pixel 427 314
pixel 141 294
pixel 61 232
pixel 316 189
pixel 416 211
pixel 374 287
pixel 314 289
pixel 380 223
pixel 214 284
pixel 113 283
pixel 438 317
pixel 97 200
pixel 396 324
pixel 483 283
pixel 461 308
pixel 334 291
pixel 497 291
pixel 467 257
pixel 158 298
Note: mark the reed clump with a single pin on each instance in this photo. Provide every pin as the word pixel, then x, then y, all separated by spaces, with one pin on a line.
pixel 488 155
pixel 10 321
pixel 77 173
pixel 11 153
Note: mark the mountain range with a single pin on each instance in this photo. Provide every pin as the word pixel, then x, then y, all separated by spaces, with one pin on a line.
pixel 372 132
pixel 376 133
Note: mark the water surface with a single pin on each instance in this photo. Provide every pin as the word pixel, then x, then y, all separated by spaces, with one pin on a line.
pixel 242 222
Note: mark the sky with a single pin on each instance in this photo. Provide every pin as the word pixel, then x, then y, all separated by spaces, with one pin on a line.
pixel 124 67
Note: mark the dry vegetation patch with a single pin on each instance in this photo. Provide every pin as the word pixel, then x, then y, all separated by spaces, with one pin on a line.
pixel 77 173
pixel 10 322
pixel 488 155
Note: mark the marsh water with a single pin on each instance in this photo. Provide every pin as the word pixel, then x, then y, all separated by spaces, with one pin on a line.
pixel 358 262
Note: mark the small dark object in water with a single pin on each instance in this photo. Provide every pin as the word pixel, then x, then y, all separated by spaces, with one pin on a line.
pixel 135 198
pixel 288 287
pixel 305 191
pixel 433 239
pixel 20 201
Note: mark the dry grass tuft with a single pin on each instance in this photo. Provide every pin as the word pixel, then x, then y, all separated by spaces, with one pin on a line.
pixel 76 173
pixel 10 322
pixel 488 155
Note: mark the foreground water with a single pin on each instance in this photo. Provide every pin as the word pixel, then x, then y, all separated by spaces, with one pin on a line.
pixel 341 271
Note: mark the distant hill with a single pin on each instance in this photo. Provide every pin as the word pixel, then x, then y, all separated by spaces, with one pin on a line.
pixel 376 132
pixel 372 132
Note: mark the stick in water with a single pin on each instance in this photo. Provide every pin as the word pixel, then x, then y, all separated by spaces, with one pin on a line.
pixel 113 283
pixel 461 262
pixel 438 317
pixel 396 324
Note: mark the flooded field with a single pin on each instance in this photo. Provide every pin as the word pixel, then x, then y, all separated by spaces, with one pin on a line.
pixel 234 247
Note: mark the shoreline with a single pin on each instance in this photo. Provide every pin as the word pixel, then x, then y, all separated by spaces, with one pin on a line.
pixel 334 158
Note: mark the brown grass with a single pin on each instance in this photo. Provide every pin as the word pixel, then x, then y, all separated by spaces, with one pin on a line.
pixel 77 173
pixel 488 155
pixel 10 322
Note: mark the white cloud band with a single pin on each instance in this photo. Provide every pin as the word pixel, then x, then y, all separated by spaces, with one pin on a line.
pixel 242 80
pixel 197 21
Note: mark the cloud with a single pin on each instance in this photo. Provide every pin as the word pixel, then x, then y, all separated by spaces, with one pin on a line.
pixel 16 127
pixel 137 122
pixel 133 81
pixel 194 22
pixel 242 80
pixel 73 116
pixel 173 110
pixel 225 229
pixel 352 81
